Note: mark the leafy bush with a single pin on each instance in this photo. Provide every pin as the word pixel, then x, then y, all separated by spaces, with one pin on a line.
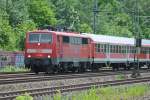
pixel 107 93
pixel 24 97
pixel 121 77
pixel 13 69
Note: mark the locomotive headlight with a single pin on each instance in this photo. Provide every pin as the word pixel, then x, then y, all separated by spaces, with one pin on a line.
pixel 48 56
pixel 29 56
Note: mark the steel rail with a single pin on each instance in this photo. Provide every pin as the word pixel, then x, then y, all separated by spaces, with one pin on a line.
pixel 59 77
pixel 70 88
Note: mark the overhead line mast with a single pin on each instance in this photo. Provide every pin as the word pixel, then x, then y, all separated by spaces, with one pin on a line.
pixel 95 11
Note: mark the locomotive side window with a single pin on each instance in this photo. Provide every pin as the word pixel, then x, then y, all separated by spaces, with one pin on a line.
pixel 84 41
pixel 75 40
pixel 65 39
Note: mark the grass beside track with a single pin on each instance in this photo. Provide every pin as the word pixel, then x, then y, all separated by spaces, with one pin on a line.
pixel 106 93
pixel 11 69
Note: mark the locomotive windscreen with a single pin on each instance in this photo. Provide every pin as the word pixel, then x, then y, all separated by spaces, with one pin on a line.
pixel 42 38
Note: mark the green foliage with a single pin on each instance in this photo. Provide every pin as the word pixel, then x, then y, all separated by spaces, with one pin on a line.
pixel 6 35
pixel 85 28
pixel 121 77
pixel 19 16
pixel 21 30
pixel 57 96
pixel 18 11
pixel 24 97
pixel 41 13
pixel 13 69
pixel 108 93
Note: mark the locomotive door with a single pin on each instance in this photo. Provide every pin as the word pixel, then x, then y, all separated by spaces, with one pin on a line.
pixel 59 47
pixel 75 47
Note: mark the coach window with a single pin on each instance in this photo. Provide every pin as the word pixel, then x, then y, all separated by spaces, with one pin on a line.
pixel 84 41
pixel 119 49
pixel 133 49
pixel 105 48
pixel 65 39
pixel 123 49
pixel 111 50
pixel 129 49
pixel 115 47
pixel 142 50
pixel 101 48
pixel 98 47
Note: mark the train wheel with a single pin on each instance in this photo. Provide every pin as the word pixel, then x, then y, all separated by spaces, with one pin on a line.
pixel 49 70
pixel 36 72
pixel 27 66
pixel 35 69
pixel 73 69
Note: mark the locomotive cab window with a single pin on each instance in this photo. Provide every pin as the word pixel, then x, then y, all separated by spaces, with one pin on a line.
pixel 45 38
pixel 65 39
pixel 34 38
pixel 40 37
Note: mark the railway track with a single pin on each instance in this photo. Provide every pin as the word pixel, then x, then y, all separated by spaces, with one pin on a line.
pixel 50 91
pixel 15 75
pixel 13 79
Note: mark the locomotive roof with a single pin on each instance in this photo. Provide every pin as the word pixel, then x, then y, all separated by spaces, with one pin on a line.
pixel 61 33
pixel 70 34
pixel 115 39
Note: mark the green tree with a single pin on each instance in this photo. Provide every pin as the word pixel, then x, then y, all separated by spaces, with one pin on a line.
pixel 41 13
pixel 17 11
pixel 21 31
pixel 85 28
pixel 7 39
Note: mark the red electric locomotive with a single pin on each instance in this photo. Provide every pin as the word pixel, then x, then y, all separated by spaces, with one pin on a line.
pixel 51 51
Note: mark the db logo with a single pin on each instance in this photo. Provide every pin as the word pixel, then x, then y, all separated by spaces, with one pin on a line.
pixel 39 50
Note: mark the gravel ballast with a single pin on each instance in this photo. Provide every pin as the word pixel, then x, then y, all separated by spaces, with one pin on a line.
pixel 54 83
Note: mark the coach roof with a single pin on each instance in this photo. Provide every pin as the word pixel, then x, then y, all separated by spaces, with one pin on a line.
pixel 115 39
